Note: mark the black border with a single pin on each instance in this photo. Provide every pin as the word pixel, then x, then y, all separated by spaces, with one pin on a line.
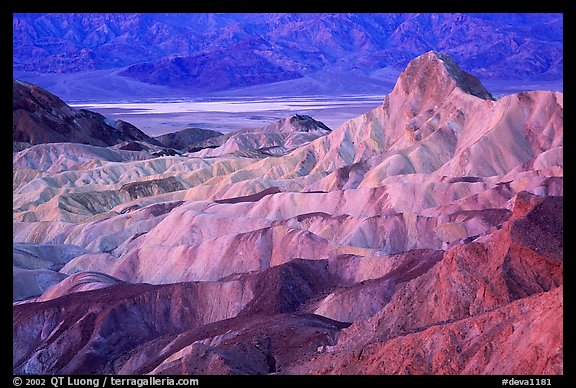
pixel 504 6
pixel 429 381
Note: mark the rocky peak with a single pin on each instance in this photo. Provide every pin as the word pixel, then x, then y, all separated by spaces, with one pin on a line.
pixel 306 123
pixel 296 123
pixel 434 72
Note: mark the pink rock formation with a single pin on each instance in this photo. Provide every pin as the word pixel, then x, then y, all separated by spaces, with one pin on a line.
pixel 423 237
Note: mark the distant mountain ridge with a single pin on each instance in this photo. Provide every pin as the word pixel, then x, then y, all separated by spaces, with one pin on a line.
pixel 210 52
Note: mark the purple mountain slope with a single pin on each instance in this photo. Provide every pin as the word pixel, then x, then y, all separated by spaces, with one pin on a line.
pixel 208 52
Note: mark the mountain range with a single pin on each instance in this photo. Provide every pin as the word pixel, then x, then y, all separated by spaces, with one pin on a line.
pixel 202 53
pixel 422 237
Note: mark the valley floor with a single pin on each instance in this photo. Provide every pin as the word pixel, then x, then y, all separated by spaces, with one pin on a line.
pixel 227 114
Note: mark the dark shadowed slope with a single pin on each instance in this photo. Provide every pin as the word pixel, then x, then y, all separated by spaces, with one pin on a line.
pixel 186 138
pixel 40 117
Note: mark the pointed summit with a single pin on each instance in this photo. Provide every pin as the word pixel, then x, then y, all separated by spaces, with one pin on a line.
pixel 437 74
pixel 296 123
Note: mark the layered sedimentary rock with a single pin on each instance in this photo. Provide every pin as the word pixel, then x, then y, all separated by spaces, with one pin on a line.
pixel 423 237
pixel 275 139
